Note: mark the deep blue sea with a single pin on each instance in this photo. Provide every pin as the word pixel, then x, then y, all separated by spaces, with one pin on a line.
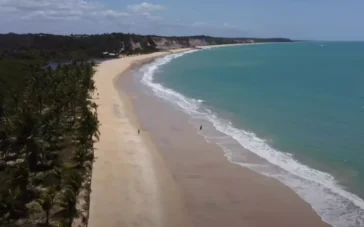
pixel 298 106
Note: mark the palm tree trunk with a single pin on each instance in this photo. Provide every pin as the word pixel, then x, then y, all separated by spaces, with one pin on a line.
pixel 47 217
pixel 40 102
pixel 70 222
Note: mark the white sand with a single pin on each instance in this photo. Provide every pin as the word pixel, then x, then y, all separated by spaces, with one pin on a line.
pixel 130 183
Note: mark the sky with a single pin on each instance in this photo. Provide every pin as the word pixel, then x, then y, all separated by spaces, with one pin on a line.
pixel 295 19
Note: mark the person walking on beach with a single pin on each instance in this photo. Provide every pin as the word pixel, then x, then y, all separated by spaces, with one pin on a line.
pixel 200 127
pixel 138 131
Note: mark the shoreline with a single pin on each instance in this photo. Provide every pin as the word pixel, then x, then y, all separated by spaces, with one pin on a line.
pixel 178 141
pixel 153 188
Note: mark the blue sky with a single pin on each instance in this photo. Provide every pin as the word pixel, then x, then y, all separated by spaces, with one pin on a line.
pixel 296 19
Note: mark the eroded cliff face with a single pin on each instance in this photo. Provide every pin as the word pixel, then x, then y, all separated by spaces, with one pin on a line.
pixel 158 44
pixel 168 43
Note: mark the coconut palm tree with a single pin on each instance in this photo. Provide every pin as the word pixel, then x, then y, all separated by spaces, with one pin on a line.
pixel 68 203
pixel 20 177
pixel 13 204
pixel 46 201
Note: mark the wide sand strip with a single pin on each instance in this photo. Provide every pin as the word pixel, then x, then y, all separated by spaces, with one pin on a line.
pixel 130 183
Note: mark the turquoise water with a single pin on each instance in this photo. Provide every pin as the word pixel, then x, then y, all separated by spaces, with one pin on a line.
pixel 299 106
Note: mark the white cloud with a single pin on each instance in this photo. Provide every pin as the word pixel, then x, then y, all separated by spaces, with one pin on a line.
pixel 89 16
pixel 145 7
pixel 149 16
pixel 111 13
pixel 6 9
pixel 55 9
pixel 53 14
pixel 34 5
pixel 65 10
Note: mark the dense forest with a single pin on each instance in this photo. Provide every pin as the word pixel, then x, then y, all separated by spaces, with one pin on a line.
pixel 48 124
pixel 76 47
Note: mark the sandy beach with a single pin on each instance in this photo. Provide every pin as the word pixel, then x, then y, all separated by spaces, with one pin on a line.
pixel 130 183
pixel 169 175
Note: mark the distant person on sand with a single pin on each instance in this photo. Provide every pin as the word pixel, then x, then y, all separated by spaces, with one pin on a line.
pixel 200 127
pixel 138 131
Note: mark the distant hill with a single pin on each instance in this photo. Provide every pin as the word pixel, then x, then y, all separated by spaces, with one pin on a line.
pixel 48 46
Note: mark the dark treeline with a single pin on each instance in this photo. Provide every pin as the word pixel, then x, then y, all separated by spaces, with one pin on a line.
pixel 81 47
pixel 48 124
pixel 75 47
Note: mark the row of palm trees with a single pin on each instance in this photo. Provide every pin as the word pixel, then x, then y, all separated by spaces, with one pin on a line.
pixel 48 125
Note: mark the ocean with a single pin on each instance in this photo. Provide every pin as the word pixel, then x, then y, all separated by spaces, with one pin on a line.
pixel 292 111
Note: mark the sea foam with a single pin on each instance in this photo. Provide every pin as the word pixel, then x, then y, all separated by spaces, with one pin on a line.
pixel 331 201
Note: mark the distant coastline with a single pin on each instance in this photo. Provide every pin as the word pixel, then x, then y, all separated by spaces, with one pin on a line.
pixel 84 47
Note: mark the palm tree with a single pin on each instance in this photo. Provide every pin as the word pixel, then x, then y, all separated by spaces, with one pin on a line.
pixel 68 203
pixel 23 132
pixel 13 204
pixel 81 156
pixel 46 201
pixel 20 177
pixel 72 179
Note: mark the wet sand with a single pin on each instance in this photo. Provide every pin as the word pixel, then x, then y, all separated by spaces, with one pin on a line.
pixel 214 191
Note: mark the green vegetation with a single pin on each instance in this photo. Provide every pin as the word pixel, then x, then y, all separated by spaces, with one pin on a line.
pixel 48 124
pixel 73 47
